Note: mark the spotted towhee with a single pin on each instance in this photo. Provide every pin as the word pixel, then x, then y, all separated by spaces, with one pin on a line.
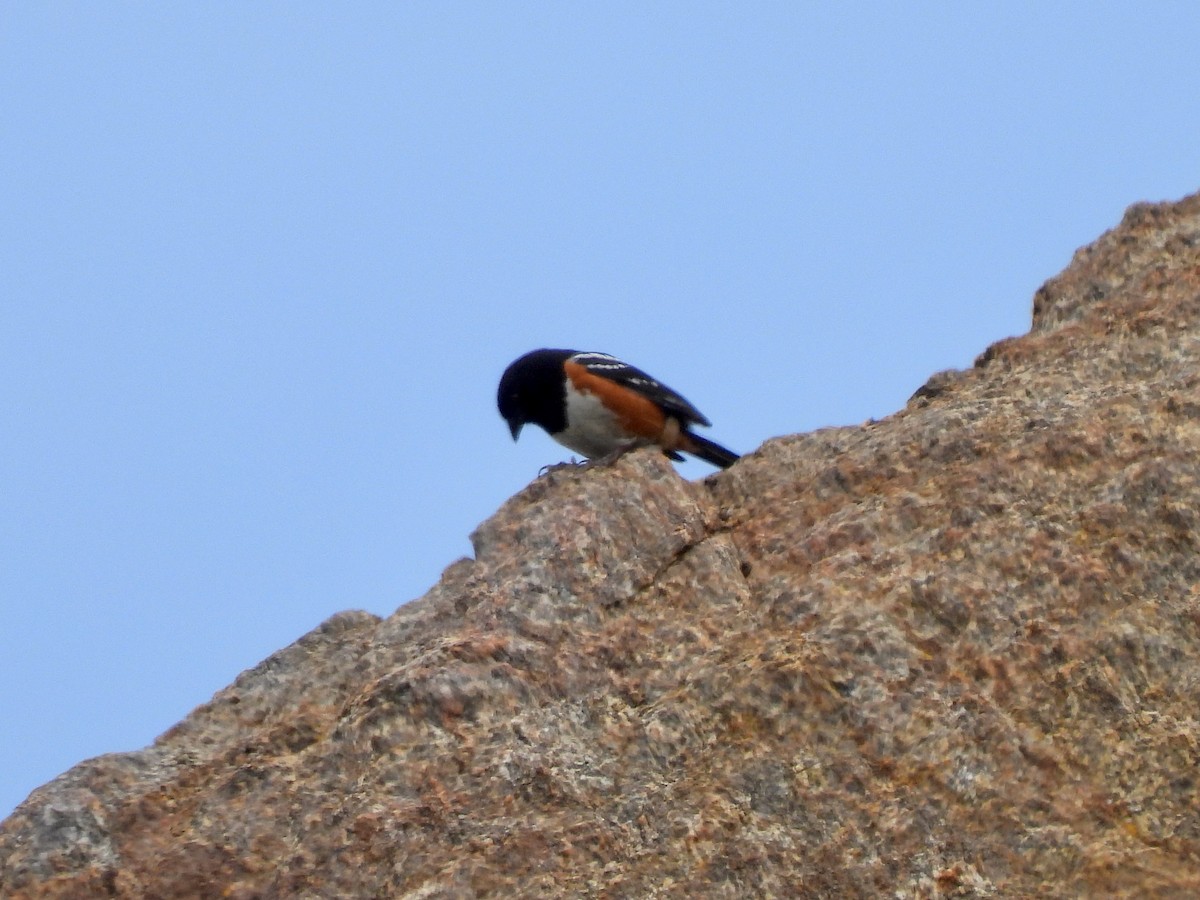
pixel 595 404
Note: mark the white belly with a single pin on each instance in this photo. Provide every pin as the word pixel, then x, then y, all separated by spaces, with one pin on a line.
pixel 592 430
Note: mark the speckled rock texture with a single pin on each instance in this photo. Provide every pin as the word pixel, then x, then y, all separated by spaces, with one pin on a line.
pixel 954 653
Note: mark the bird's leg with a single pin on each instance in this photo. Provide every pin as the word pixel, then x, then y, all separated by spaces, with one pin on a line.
pixel 572 463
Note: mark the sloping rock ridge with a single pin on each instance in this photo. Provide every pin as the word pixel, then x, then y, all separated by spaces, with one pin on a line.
pixel 954 653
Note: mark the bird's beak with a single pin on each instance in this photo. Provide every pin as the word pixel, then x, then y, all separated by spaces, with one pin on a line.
pixel 515 426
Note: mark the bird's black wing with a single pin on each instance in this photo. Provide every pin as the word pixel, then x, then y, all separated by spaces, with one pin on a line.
pixel 652 389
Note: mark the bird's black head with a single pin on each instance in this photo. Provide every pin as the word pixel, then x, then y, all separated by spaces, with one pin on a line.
pixel 532 390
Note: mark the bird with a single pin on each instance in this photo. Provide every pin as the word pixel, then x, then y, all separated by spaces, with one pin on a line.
pixel 598 406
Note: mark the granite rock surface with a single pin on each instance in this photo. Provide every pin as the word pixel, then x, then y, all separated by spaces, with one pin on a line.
pixel 952 653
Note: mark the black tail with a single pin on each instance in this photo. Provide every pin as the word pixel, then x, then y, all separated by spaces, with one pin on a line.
pixel 708 451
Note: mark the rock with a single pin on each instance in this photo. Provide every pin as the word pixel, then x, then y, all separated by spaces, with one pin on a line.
pixel 951 653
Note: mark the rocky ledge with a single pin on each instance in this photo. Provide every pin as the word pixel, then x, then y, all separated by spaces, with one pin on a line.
pixel 952 653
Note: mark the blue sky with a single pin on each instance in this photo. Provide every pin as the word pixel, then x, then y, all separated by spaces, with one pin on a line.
pixel 262 265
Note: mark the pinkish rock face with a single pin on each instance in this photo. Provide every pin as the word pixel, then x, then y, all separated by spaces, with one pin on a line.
pixel 955 652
